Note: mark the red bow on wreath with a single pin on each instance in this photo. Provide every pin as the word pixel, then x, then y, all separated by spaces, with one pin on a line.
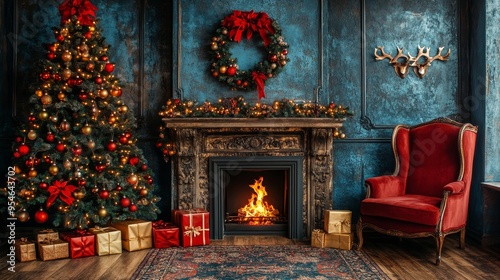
pixel 83 9
pixel 63 191
pixel 239 21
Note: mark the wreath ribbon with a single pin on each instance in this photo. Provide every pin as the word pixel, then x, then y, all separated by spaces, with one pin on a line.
pixel 83 9
pixel 239 22
pixel 260 80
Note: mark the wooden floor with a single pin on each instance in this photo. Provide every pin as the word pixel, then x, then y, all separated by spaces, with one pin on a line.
pixel 399 259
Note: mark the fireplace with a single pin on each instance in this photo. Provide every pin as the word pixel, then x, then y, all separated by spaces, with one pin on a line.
pixel 237 204
pixel 294 153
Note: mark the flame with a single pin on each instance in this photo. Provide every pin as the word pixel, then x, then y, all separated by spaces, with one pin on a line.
pixel 256 206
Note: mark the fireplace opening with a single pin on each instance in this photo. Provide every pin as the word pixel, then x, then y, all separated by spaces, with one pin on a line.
pixel 256 201
pixel 256 196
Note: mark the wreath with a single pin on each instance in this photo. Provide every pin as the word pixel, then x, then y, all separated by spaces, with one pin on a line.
pixel 225 68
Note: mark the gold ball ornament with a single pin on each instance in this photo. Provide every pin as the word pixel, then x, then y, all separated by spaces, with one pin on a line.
pixel 32 135
pixel 91 144
pixel 132 179
pixel 39 92
pixel 79 194
pixel 67 164
pixel 43 115
pixel 102 212
pixel 53 169
pixel 123 109
pixel 144 192
pixel 61 96
pixel 54 118
pixel 66 74
pixel 23 216
pixel 32 173
pixel 103 93
pixel 66 56
pixel 124 160
pixel 214 46
pixel 223 69
pixel 46 99
pixel 87 129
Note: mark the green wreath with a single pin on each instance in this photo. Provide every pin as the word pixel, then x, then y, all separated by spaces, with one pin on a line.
pixel 225 68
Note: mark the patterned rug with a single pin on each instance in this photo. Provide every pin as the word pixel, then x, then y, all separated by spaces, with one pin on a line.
pixel 257 262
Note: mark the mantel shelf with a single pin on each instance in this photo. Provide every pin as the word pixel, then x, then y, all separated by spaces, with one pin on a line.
pixel 253 122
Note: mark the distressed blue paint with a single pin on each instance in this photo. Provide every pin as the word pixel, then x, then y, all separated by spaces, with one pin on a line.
pixel 201 18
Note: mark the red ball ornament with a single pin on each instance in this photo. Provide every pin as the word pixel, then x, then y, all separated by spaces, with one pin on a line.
pixel 132 207
pixel 100 167
pixel 50 137
pixel 144 167
pixel 111 146
pixel 44 76
pixel 104 194
pixel 123 139
pixel 23 149
pixel 17 154
pixel 273 58
pixel 128 134
pixel 98 80
pixel 60 147
pixel 231 71
pixel 134 160
pixel 60 38
pixel 88 35
pixel 82 96
pixel 104 58
pixel 118 188
pixel 43 185
pixel 77 150
pixel 109 67
pixel 57 77
pixel 41 216
pixel 125 202
pixel 82 182
pixel 19 139
pixel 51 56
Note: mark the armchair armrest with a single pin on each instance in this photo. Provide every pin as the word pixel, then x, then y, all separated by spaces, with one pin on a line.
pixel 385 186
pixel 454 187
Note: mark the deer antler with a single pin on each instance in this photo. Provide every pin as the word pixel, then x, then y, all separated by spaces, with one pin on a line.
pixel 441 57
pixel 383 56
pixel 422 52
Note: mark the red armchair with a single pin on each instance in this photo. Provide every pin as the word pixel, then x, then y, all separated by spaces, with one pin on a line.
pixel 428 193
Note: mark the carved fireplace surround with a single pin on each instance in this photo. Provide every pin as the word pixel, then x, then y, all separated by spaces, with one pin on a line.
pixel 200 139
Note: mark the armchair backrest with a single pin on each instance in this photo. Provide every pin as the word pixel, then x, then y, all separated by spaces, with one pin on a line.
pixel 433 154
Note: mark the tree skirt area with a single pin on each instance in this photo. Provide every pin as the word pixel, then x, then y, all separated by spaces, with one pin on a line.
pixel 257 262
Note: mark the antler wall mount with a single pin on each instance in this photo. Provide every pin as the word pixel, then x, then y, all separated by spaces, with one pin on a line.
pixel 402 63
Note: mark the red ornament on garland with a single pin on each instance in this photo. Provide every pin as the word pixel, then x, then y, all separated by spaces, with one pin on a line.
pixel 50 137
pixel 109 67
pixel 43 185
pixel 60 147
pixel 125 202
pixel 123 139
pixel 98 80
pixel 17 154
pixel 51 56
pixel 134 160
pixel 77 150
pixel 118 188
pixel 231 71
pixel 23 149
pixel 111 146
pixel 41 216
pixel 144 167
pixel 104 194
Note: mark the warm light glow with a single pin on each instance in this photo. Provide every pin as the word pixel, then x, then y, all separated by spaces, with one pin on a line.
pixel 256 206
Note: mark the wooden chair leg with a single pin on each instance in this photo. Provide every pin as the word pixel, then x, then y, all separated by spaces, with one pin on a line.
pixel 359 231
pixel 462 239
pixel 439 247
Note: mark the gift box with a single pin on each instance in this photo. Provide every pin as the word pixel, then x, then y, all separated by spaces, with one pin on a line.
pixel 46 234
pixel 81 243
pixel 194 226
pixel 25 250
pixel 165 235
pixel 339 240
pixel 53 249
pixel 338 221
pixel 136 234
pixel 318 238
pixel 108 240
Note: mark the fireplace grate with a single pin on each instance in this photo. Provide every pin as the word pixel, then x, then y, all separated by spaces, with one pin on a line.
pixel 255 220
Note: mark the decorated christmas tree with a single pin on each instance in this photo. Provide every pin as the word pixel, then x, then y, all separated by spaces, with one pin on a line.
pixel 75 159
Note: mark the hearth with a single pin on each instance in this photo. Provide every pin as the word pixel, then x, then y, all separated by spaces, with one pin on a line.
pixel 211 150
pixel 257 195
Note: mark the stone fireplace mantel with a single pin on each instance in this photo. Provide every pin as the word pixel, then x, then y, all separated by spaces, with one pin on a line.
pixel 199 139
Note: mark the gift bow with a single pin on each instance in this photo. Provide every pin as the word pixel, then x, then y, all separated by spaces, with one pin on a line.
pixel 259 79
pixel 342 222
pixel 24 240
pixel 62 190
pixel 317 236
pixel 239 22
pixel 192 231
pixel 83 9
pixel 46 231
pixel 48 240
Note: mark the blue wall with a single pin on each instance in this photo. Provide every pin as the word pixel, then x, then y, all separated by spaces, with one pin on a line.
pixel 339 64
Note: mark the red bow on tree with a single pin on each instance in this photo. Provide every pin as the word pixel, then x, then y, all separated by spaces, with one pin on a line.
pixel 239 21
pixel 259 79
pixel 62 190
pixel 83 9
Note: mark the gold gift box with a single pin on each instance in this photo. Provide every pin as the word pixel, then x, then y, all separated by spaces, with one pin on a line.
pixel 136 234
pixel 25 250
pixel 339 240
pixel 338 221
pixel 318 238
pixel 53 250
pixel 109 240
pixel 46 234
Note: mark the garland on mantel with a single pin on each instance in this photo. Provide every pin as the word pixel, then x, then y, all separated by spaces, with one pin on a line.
pixel 237 107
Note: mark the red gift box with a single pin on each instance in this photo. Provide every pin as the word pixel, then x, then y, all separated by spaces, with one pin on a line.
pixel 81 243
pixel 194 225
pixel 165 235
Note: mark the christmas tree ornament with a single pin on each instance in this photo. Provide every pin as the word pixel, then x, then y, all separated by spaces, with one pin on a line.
pixel 61 96
pixel 111 146
pixel 118 188
pixel 46 99
pixel 39 93
pixel 102 93
pixel 117 92
pixel 23 149
pixel 143 192
pixel 23 216
pixel 77 173
pixel 43 185
pixel 77 150
pixel 144 167
pixel 132 207
pixel 87 129
pixel 41 216
pixel 82 96
pixel 125 202
pixel 64 126
pixel 66 56
pixel 79 194
pixel 50 137
pixel 60 147
pixel 123 139
pixel 67 164
pixel 109 67
pixel 62 191
pixel 32 135
pixel 102 212
pixel 66 74
pixel 32 173
pixel 91 144
pixel 104 194
pixel 31 118
pixel 54 118
pixel 98 80
pixel 132 179
pixel 16 154
pixel 53 169
pixel 123 109
pixel 82 183
pixel 90 66
pixel 134 160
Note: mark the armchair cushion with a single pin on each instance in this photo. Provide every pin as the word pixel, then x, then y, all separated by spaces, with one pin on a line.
pixel 412 208
pixel 385 186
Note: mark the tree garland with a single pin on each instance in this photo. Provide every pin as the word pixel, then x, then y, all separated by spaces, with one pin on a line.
pixel 225 68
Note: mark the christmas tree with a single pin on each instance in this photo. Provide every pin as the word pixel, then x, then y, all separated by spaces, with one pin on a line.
pixel 75 159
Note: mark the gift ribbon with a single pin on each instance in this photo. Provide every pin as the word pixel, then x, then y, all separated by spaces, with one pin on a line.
pixel 139 238
pixel 239 22
pixel 195 231
pixel 62 190
pixel 342 222
pixel 106 230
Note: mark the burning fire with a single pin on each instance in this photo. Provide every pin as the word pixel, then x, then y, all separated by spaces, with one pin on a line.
pixel 256 206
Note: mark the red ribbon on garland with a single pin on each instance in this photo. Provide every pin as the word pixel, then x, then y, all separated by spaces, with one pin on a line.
pixel 259 79
pixel 62 190
pixel 239 21
pixel 83 9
